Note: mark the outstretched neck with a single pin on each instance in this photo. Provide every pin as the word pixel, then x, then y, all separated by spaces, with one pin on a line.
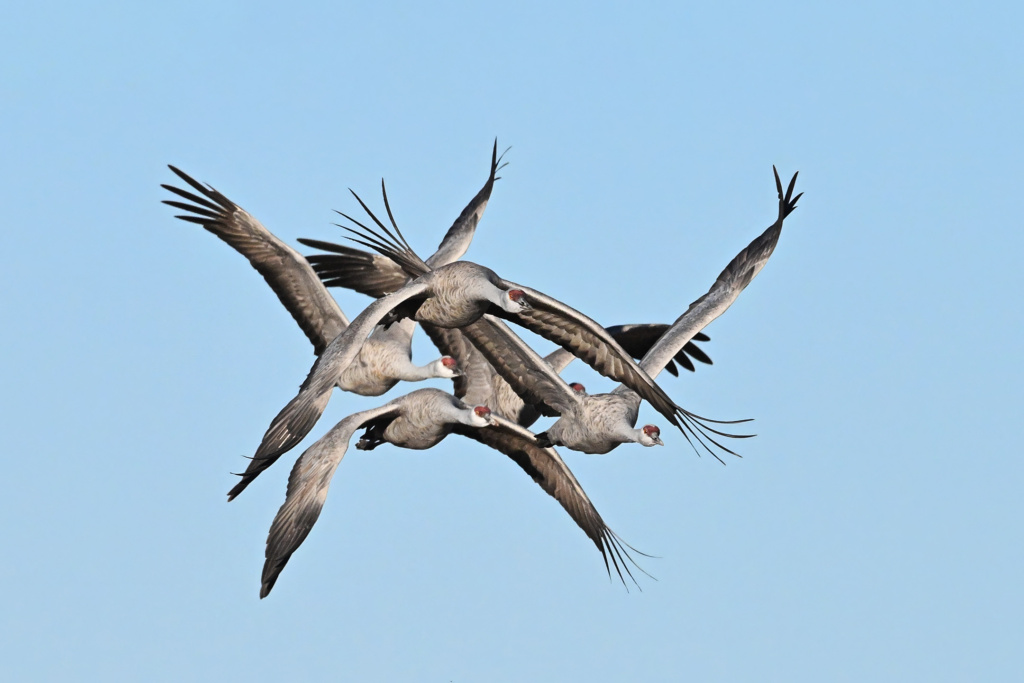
pixel 626 434
pixel 418 373
pixel 457 414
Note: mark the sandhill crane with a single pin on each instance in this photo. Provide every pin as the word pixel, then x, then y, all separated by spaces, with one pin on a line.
pixel 387 356
pixel 479 384
pixel 599 423
pixel 420 420
pixel 450 296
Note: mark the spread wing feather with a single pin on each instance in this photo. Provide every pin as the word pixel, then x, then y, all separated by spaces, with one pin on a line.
pixel 457 240
pixel 307 490
pixel 549 471
pixel 376 275
pixel 284 269
pixel 592 344
pixel 727 287
pixel 637 340
pixel 370 274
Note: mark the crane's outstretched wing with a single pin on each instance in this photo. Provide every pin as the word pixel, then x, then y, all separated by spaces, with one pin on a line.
pixel 284 269
pixel 370 274
pixel 307 491
pixel 297 418
pixel 376 275
pixel 736 276
pixel 591 343
pixel 456 241
pixel 546 468
pixel 638 339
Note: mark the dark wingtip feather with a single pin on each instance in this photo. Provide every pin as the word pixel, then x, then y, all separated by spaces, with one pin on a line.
pixel 614 548
pixel 209 213
pixel 239 487
pixel 268 584
pixel 191 197
pixel 691 350
pixel 190 180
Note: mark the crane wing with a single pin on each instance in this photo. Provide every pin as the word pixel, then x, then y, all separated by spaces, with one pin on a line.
pixel 588 341
pixel 456 241
pixel 637 340
pixel 546 467
pixel 284 269
pixel 733 280
pixel 378 275
pixel 307 490
pixel 370 274
pixel 536 382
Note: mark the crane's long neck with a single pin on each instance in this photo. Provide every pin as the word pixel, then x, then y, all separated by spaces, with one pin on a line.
pixel 416 373
pixel 629 406
pixel 483 289
pixel 451 413
pixel 623 433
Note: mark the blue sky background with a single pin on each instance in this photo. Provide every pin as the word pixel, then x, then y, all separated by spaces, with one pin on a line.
pixel 871 532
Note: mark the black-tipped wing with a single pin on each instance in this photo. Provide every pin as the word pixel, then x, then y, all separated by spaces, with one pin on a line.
pixel 458 238
pixel 289 427
pixel 370 274
pixel 377 275
pixel 588 341
pixel 549 471
pixel 638 339
pixel 284 269
pixel 307 490
pixel 736 276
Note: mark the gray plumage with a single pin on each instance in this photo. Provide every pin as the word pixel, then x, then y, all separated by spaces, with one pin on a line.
pixel 477 348
pixel 603 421
pixel 284 269
pixel 420 420
pixel 450 296
pixel 457 295
pixel 371 276
pixel 386 358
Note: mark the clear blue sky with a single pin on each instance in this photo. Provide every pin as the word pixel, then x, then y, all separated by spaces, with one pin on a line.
pixel 871 532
